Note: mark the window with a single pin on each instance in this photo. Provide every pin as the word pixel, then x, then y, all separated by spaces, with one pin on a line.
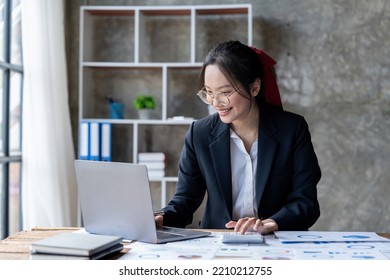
pixel 11 81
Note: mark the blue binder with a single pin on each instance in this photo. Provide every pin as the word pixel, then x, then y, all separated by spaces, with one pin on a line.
pixel 94 141
pixel 84 140
pixel 105 141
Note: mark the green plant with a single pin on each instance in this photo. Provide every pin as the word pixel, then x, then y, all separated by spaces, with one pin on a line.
pixel 144 102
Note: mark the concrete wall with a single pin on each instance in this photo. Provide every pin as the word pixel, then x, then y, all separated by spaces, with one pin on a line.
pixel 333 68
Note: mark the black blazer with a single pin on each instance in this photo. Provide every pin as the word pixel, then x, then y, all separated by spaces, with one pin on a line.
pixel 287 173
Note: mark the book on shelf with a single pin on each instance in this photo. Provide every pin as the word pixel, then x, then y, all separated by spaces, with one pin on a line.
pixel 150 157
pixel 73 245
pixel 156 174
pixel 155 163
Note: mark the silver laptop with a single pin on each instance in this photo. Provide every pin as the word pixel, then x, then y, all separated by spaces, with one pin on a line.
pixel 115 199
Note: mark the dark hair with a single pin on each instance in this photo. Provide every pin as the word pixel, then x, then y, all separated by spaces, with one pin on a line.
pixel 240 65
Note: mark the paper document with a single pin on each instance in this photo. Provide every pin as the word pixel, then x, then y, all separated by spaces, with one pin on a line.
pixel 328 236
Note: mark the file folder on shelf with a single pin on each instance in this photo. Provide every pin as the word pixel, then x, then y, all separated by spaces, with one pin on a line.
pixel 84 140
pixel 94 141
pixel 105 142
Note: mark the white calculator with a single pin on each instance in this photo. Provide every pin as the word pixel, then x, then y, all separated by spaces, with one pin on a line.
pixel 236 237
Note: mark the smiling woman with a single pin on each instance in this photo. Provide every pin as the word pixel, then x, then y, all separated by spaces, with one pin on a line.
pixel 254 160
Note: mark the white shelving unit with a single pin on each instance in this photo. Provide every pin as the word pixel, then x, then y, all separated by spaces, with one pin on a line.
pixel 131 50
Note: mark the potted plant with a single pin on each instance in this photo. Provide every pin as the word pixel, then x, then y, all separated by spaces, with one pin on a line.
pixel 144 104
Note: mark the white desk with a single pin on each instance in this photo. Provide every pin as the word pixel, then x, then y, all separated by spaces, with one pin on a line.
pixel 17 245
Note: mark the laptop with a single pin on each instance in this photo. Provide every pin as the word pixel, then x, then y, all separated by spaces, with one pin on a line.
pixel 115 199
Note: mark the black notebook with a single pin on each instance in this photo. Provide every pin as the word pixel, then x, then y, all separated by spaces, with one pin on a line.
pixel 87 245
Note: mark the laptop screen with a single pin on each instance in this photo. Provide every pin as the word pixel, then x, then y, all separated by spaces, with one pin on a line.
pixel 115 199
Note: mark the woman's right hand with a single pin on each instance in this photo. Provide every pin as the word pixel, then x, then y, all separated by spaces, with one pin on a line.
pixel 253 224
pixel 159 219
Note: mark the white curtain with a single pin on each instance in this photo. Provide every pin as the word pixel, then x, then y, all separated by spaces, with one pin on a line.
pixel 49 196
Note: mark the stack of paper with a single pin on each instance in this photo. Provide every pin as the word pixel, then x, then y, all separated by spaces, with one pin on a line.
pixel 155 163
pixel 74 245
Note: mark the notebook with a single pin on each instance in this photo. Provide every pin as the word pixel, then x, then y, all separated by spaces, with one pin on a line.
pixel 75 245
pixel 115 199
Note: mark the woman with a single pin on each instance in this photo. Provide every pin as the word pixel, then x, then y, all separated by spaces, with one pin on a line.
pixel 255 161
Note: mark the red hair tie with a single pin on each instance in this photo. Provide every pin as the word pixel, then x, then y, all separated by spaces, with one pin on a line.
pixel 271 92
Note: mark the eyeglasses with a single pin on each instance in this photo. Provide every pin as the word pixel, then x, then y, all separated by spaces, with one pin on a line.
pixel 221 97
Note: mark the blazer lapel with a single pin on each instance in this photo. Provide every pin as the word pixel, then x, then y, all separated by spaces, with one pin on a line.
pixel 220 154
pixel 267 148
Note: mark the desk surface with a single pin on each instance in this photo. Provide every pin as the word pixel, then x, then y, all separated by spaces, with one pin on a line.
pixel 16 246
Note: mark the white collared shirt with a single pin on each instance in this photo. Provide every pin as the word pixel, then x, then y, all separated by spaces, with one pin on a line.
pixel 243 166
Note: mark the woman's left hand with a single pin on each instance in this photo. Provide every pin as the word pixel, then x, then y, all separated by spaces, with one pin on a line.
pixel 244 225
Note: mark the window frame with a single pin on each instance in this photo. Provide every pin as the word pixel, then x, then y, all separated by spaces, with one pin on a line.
pixel 6 156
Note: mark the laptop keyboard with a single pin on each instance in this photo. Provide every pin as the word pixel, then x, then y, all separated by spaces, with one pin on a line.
pixel 165 235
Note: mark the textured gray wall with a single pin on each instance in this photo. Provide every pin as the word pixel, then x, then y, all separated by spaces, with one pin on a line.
pixel 333 68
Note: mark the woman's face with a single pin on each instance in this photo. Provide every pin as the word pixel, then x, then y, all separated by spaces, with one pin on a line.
pixel 239 106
